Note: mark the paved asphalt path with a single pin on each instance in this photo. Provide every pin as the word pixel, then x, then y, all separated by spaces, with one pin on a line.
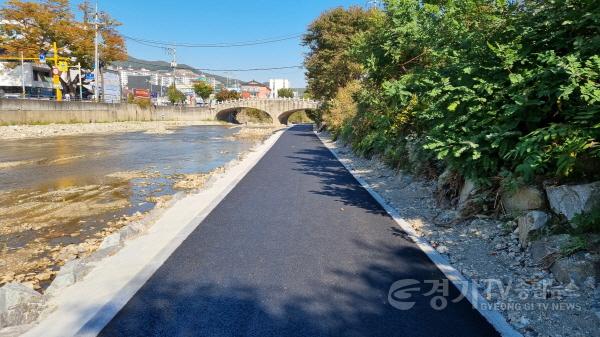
pixel 298 248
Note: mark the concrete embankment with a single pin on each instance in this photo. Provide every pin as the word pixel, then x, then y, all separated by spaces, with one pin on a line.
pixel 18 112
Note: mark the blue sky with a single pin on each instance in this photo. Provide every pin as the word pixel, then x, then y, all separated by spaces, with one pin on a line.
pixel 204 21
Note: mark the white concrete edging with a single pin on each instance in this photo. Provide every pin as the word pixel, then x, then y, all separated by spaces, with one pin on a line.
pixel 494 317
pixel 84 308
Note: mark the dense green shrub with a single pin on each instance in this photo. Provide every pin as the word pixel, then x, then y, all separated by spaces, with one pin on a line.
pixel 490 88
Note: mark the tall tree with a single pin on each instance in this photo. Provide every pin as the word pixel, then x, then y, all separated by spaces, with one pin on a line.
pixel 226 95
pixel 112 47
pixel 31 27
pixel 203 90
pixel 285 93
pixel 329 38
pixel 175 96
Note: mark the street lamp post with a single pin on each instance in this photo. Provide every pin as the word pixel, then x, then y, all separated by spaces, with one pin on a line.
pixel 96 56
pixel 23 75
pixel 80 82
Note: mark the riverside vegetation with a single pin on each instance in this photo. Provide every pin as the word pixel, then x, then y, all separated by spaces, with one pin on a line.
pixel 497 100
pixel 490 89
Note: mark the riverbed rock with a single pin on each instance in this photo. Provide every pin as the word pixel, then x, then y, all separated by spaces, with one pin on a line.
pixel 19 304
pixel 13 294
pixel 523 199
pixel 130 231
pixel 71 272
pixel 68 253
pixel 531 222
pixel 570 200
pixel 547 245
pixel 469 203
pixel 61 281
pixel 446 188
pixel 577 269
pixel 445 179
pixel 111 242
pixel 466 191
pixel 16 330
pixel 109 246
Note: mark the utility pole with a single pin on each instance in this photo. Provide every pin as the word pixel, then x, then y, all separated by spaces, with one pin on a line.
pixel 173 52
pixel 23 74
pixel 96 56
pixel 80 82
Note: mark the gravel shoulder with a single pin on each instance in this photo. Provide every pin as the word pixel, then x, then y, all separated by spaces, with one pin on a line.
pixel 487 252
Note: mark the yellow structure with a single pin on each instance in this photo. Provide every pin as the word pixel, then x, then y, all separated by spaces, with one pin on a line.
pixel 55 77
pixel 59 63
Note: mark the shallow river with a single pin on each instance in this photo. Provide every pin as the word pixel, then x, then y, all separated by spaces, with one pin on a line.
pixel 65 161
pixel 64 190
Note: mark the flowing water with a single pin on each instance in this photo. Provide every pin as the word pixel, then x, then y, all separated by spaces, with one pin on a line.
pixel 64 190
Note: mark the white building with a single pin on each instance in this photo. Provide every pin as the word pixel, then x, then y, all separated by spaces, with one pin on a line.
pixel 125 73
pixel 276 84
pixel 36 78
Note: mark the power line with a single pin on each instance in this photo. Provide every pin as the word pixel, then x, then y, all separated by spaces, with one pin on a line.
pixel 159 67
pixel 249 69
pixel 162 44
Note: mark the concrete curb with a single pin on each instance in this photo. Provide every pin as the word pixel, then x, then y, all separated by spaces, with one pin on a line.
pixel 86 307
pixel 470 292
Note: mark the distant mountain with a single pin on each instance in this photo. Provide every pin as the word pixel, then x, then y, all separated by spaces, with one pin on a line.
pixel 136 63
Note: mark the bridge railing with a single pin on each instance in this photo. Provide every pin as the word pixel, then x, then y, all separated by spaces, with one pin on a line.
pixel 228 102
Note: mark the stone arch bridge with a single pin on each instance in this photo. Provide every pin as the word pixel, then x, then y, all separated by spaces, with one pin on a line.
pixel 280 109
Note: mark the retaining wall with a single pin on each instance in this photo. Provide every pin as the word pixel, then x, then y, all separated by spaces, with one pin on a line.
pixel 17 111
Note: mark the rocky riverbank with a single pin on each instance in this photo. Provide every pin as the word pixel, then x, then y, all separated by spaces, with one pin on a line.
pixel 255 132
pixel 47 234
pixel 52 130
pixel 511 276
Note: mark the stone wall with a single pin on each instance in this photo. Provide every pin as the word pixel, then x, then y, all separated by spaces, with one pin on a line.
pixel 16 111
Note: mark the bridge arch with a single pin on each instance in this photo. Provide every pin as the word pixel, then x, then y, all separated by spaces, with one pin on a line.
pixel 284 116
pixel 279 109
pixel 239 115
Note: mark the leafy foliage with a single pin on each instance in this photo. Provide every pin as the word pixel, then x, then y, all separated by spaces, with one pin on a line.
pixel 144 103
pixel 489 88
pixel 329 38
pixel 299 117
pixel 251 115
pixel 203 89
pixel 175 96
pixel 227 95
pixel 31 27
pixel 588 222
pixel 285 93
pixel 341 108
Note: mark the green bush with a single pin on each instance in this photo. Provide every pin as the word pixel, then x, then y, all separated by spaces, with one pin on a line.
pixel 144 103
pixel 588 222
pixel 491 89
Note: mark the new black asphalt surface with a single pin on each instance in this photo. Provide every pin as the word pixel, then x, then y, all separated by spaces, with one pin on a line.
pixel 298 248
